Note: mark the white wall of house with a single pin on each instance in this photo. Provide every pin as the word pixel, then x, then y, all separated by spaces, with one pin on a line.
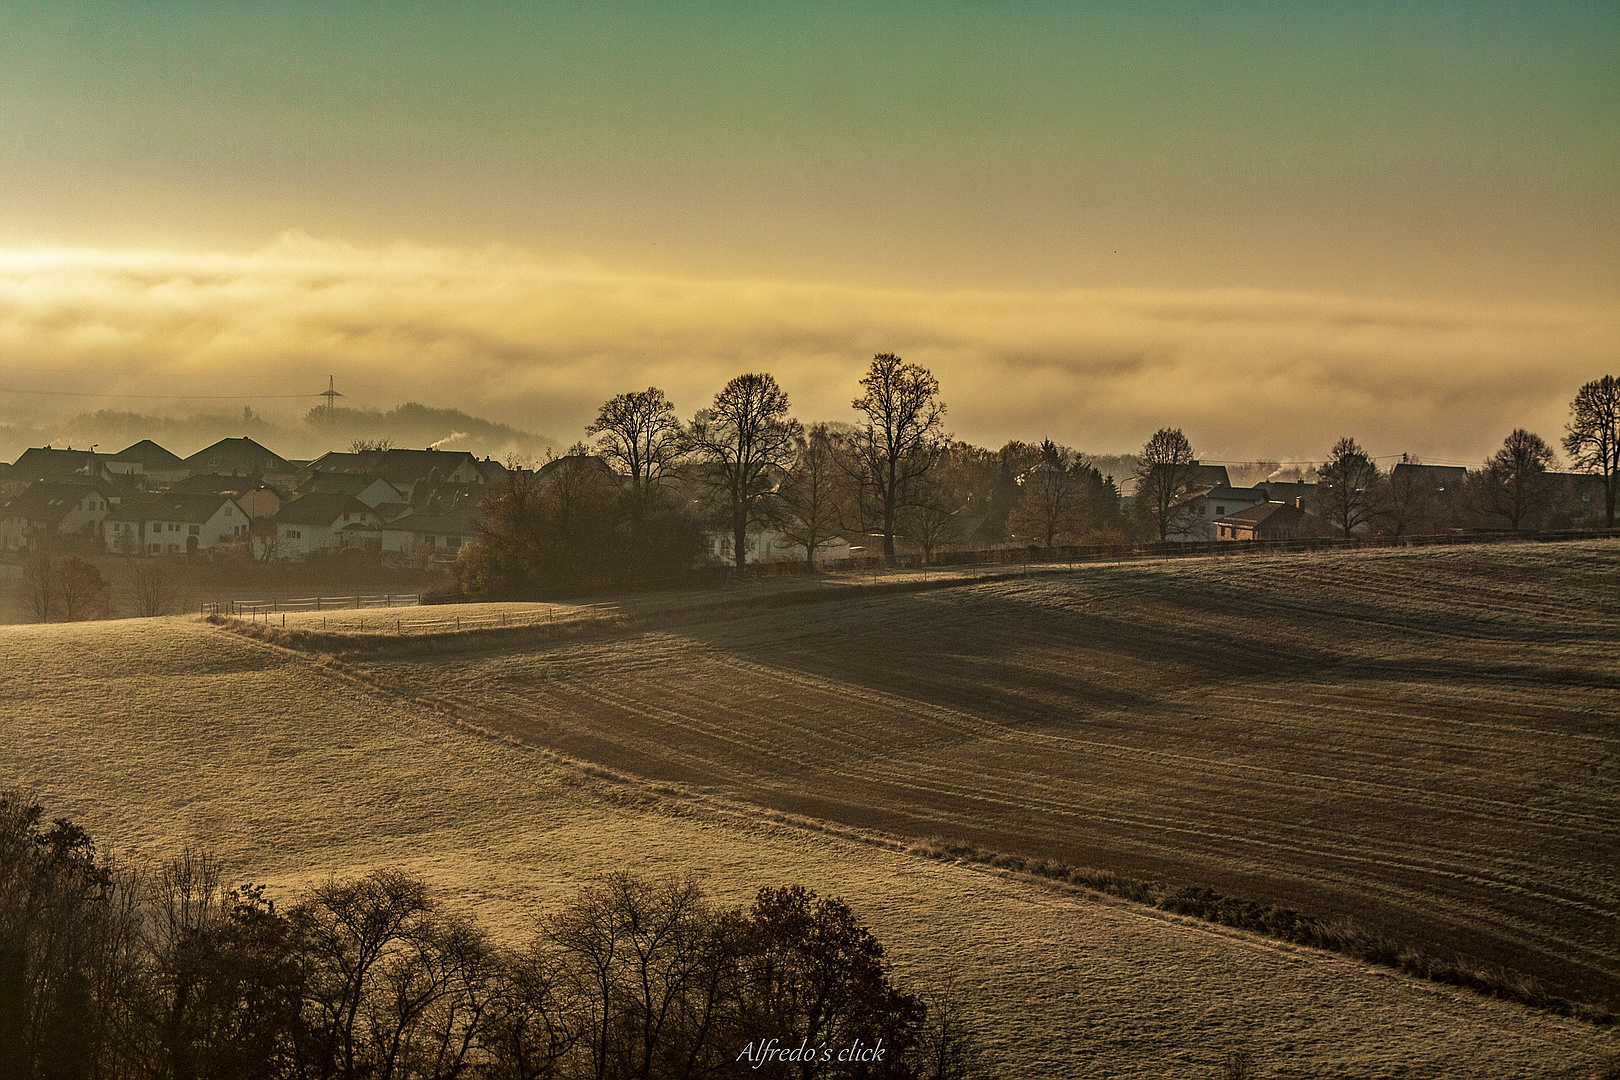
pixel 226 526
pixel 410 543
pixel 771 546
pixel 297 541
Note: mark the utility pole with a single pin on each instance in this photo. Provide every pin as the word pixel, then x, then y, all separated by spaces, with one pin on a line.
pixel 331 395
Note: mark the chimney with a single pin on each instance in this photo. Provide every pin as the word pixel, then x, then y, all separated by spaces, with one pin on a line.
pixel 1299 502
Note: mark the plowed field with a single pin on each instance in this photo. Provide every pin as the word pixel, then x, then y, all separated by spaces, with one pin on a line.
pixel 1426 742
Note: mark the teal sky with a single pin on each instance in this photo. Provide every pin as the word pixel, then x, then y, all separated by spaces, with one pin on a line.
pixel 1469 150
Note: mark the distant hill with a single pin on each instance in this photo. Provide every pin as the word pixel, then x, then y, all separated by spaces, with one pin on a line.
pixel 410 425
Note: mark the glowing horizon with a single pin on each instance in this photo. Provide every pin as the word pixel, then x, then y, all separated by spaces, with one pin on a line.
pixel 1268 225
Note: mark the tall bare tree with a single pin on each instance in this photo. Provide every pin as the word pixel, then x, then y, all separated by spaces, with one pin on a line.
pixel 899 441
pixel 640 435
pixel 1166 481
pixel 39 585
pixel 1052 495
pixel 745 441
pixel 1347 486
pixel 82 589
pixel 1513 483
pixel 1592 439
pixel 149 588
pixel 805 509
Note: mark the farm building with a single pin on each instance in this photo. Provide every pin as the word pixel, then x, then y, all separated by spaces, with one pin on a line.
pixel 1262 521
pixel 175 524
pixel 319 521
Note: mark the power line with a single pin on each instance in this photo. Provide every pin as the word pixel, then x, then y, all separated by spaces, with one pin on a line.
pixel 158 397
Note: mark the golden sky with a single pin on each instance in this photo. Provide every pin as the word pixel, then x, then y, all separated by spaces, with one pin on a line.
pixel 1269 225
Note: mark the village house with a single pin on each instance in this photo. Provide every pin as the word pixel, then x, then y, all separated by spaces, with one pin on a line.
pixel 768 545
pixel 48 463
pixel 323 521
pixel 175 524
pixel 49 509
pixel 242 457
pixel 1212 503
pixel 1262 521
pixel 420 535
pixel 149 462
pixel 403 468
pixel 369 488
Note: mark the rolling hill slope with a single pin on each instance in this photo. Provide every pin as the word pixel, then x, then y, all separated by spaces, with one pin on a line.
pixel 1426 742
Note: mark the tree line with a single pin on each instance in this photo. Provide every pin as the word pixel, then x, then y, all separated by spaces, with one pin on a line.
pixel 637 503
pixel 108 974
pixel 634 506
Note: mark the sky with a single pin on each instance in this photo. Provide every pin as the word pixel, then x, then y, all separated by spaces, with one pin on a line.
pixel 1268 224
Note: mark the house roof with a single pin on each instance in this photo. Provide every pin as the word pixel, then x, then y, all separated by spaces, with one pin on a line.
pixel 48 463
pixel 241 455
pixel 48 500
pixel 150 455
pixel 213 484
pixel 1232 494
pixel 399 466
pixel 190 507
pixel 1210 475
pixel 1439 477
pixel 338 483
pixel 320 508
pixel 1282 515
pixel 461 521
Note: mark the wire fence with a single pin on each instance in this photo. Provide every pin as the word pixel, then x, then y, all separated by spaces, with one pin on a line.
pixel 351 619
pixel 313 603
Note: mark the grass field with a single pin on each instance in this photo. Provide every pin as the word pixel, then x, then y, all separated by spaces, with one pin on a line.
pixel 1357 731
pixel 1426 742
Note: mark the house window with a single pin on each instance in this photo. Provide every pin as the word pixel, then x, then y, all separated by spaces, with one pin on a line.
pixel 196 530
pixel 1220 511
pixel 294 534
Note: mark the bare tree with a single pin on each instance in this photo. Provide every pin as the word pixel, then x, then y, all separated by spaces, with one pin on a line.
pixel 1052 495
pixel 640 435
pixel 1166 481
pixel 81 588
pixel 265 538
pixel 745 440
pixel 1513 483
pixel 1592 439
pixel 805 509
pixel 149 590
pixel 360 446
pixel 899 441
pixel 39 585
pixel 1347 486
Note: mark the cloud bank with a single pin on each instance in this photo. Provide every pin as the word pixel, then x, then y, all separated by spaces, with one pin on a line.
pixel 504 333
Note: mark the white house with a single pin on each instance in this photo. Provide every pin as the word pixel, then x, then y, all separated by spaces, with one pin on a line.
pixel 369 488
pixel 324 520
pixel 1217 502
pixel 175 524
pixel 419 535
pixel 48 508
pixel 768 545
